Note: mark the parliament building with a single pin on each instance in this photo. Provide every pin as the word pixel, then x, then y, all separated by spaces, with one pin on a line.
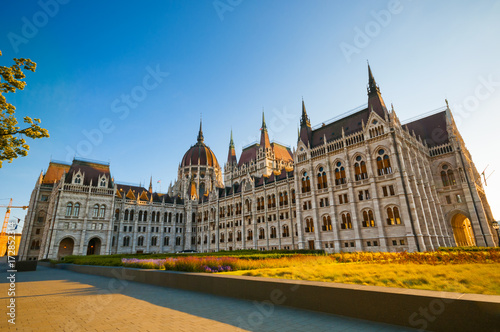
pixel 364 182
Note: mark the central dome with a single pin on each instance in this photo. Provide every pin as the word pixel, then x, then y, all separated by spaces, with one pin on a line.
pixel 199 154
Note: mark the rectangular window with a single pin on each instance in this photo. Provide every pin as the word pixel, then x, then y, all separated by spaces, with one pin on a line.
pixel 448 200
pixel 124 228
pixel 360 195
pixel 369 244
pixel 115 228
pixel 44 198
pixel 346 244
pixel 391 190
pixel 402 242
pixel 394 243
pixel 130 228
pixel 346 200
pixel 38 230
pixel 384 191
pixel 100 226
pixel 326 202
pixel 341 201
pixel 40 219
pixel 375 243
pixel 352 244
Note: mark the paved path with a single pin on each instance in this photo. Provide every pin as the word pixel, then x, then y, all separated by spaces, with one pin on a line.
pixel 58 300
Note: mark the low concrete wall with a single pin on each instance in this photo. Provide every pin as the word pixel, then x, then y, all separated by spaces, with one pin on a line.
pixel 425 310
pixel 23 266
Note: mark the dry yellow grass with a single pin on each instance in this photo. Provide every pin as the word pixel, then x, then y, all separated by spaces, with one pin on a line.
pixel 462 278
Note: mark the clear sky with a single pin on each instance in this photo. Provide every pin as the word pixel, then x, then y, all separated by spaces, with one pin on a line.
pixel 125 81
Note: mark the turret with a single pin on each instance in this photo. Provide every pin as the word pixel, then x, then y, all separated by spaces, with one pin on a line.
pixel 305 126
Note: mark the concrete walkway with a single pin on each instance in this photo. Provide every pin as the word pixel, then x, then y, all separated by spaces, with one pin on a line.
pixel 59 300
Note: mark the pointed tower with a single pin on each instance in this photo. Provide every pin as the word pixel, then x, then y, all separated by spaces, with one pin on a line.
pixel 375 102
pixel 265 153
pixel 151 185
pixel 231 164
pixel 305 126
pixel 231 156
pixel 264 137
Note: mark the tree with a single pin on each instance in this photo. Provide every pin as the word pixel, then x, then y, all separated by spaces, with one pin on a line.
pixel 12 143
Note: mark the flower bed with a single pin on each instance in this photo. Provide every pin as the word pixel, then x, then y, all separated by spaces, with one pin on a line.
pixel 212 264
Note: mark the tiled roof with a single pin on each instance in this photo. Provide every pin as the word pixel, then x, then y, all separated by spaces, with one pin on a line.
pixel 283 175
pixel 91 170
pixel 138 191
pixel 431 128
pixel 248 154
pixel 333 131
pixel 282 152
pixel 55 172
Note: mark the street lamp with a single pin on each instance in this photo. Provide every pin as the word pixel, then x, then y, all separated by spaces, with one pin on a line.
pixel 495 226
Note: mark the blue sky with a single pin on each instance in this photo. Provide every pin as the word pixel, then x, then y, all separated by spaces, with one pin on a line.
pixel 230 59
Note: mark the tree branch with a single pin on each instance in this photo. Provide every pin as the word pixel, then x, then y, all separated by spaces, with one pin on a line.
pixel 14 132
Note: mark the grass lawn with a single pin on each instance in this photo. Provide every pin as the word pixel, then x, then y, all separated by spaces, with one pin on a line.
pixel 462 278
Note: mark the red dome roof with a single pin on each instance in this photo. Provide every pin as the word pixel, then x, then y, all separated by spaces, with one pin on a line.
pixel 199 154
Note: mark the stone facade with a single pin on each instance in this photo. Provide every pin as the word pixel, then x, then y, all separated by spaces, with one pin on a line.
pixel 364 182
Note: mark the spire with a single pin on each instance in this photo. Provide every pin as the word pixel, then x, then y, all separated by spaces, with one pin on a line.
pixel 304 120
pixel 151 184
pixel 375 102
pixel 200 134
pixel 264 137
pixel 231 156
pixel 231 142
pixel 264 127
pixel 372 85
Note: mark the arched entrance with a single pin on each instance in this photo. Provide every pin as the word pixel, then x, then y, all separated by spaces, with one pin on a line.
pixel 94 247
pixel 65 247
pixel 462 231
